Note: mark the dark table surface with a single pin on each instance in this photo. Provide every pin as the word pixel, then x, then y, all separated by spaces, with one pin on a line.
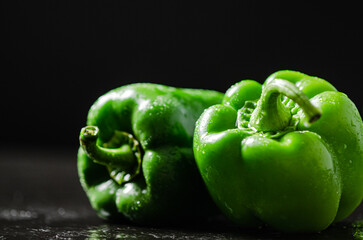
pixel 41 198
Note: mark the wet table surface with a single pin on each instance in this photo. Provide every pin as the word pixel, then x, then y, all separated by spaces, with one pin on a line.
pixel 41 198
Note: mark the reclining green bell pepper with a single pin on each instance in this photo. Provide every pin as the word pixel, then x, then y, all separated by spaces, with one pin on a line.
pixel 136 158
pixel 288 154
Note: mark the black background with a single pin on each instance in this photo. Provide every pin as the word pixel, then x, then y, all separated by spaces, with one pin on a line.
pixel 60 56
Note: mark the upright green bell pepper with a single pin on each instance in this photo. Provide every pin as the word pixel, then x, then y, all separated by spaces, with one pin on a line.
pixel 136 158
pixel 288 154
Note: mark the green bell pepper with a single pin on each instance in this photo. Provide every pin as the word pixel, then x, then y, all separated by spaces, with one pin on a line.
pixel 288 154
pixel 136 158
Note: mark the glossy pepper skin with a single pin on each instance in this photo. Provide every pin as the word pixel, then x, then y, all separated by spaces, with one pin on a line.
pixel 136 158
pixel 288 153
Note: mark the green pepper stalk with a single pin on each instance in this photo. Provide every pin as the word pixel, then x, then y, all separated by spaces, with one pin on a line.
pixel 272 115
pixel 136 161
pixel 288 154
pixel 124 162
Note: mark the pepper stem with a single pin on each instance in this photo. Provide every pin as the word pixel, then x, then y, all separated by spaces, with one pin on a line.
pixel 271 115
pixel 126 157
